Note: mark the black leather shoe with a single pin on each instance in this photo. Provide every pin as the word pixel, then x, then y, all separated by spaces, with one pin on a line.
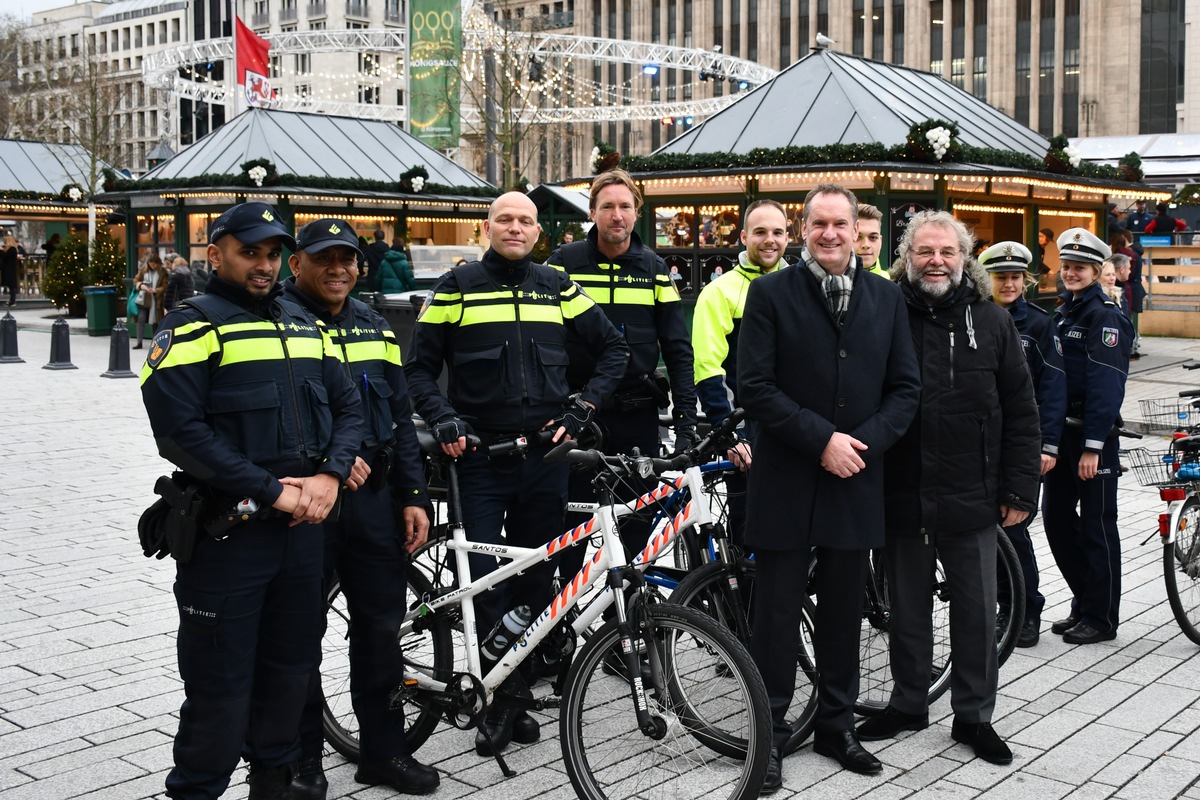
pixel 843 747
pixel 1064 625
pixel 983 739
pixel 1030 633
pixel 773 779
pixel 889 723
pixel 1086 634
pixel 269 783
pixel 403 773
pixel 309 783
pixel 526 729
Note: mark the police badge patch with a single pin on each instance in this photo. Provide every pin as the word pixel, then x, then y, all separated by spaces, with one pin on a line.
pixel 1109 337
pixel 159 346
pixel 1058 345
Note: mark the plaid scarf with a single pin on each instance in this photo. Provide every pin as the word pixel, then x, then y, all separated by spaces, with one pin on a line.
pixel 837 287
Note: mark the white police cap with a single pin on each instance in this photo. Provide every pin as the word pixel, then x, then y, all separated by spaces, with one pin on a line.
pixel 1006 257
pixel 1080 244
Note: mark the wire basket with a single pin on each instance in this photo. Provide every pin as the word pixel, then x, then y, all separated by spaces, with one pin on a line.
pixel 1153 467
pixel 1168 414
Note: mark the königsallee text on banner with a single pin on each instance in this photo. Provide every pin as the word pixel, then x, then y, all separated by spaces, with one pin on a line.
pixel 435 53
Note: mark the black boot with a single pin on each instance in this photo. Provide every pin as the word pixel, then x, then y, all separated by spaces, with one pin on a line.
pixel 310 783
pixel 270 783
pixel 505 723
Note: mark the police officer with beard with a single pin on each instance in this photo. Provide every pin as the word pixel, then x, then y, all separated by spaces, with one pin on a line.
pixel 246 396
pixel 379 523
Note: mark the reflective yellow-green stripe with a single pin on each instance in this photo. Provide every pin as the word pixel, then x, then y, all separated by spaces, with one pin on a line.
pixel 437 314
pixel 573 307
pixel 630 296
pixel 191 351
pixel 478 315
pixel 377 350
pixel 666 294
pixel 270 349
pixel 600 294
pixel 541 314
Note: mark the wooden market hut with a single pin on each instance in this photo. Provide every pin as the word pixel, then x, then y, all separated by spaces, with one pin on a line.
pixel 373 174
pixel 851 120
pixel 37 201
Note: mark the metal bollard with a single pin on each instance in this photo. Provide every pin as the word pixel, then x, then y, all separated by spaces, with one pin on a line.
pixel 60 346
pixel 8 341
pixel 118 353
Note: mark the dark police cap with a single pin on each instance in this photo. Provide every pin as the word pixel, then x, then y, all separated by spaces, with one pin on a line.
pixel 250 223
pixel 322 234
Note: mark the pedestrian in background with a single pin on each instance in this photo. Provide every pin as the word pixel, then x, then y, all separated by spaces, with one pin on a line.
pixel 151 284
pixel 180 283
pixel 1080 506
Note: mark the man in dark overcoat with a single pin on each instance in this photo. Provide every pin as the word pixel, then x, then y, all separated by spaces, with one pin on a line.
pixel 827 367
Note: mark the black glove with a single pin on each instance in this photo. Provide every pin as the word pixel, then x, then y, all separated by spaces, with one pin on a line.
pixel 575 416
pixel 449 430
pixel 685 439
pixel 152 530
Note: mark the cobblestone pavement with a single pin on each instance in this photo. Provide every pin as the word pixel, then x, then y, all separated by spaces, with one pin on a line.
pixel 89 693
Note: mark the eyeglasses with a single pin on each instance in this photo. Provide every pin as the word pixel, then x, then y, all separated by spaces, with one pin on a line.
pixel 947 253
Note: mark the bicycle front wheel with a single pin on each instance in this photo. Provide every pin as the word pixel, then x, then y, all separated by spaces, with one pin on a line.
pixel 1181 569
pixel 430 651
pixel 712 723
pixel 708 590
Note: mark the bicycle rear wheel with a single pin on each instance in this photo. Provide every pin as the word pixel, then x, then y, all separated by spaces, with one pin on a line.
pixel 707 590
pixel 1181 569
pixel 875 687
pixel 713 727
pixel 429 651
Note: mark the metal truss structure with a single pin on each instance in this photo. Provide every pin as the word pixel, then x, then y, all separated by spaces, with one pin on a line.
pixel 163 69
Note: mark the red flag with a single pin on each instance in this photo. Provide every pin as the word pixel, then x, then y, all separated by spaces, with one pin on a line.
pixel 253 65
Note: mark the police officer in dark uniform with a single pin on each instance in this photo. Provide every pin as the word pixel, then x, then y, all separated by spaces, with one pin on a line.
pixel 1095 338
pixel 633 287
pixel 366 546
pixel 1008 264
pixel 500 326
pixel 246 396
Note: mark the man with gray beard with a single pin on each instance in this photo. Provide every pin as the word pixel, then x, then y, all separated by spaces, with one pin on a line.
pixel 970 461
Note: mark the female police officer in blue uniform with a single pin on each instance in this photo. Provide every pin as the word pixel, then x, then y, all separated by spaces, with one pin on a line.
pixel 1095 338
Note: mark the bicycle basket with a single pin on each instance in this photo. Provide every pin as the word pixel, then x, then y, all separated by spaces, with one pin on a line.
pixel 1153 467
pixel 1168 414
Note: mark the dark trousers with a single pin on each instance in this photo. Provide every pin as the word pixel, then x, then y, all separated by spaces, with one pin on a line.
pixel 249 639
pixel 779 585
pixel 1081 526
pixel 1035 601
pixel 623 431
pixel 363 548
pixel 969 560
pixel 524 497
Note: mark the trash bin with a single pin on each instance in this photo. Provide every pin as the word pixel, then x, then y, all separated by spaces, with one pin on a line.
pixel 101 309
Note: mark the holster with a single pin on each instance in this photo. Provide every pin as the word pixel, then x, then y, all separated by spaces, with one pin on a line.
pixel 381 467
pixel 632 400
pixel 181 525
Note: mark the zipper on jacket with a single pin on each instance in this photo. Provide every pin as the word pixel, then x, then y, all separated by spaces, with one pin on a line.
pixel 951 359
pixel 287 359
pixel 520 341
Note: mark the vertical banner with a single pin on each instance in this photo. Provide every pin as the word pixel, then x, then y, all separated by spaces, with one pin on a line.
pixel 253 67
pixel 434 53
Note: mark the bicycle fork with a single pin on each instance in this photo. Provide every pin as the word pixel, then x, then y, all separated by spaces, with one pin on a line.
pixel 634 622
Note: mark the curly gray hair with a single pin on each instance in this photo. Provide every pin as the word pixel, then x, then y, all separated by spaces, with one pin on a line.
pixel 966 240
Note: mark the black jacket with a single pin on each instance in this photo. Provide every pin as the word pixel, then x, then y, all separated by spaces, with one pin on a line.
pixel 637 295
pixel 500 327
pixel 371 357
pixel 976 441
pixel 242 391
pixel 803 378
